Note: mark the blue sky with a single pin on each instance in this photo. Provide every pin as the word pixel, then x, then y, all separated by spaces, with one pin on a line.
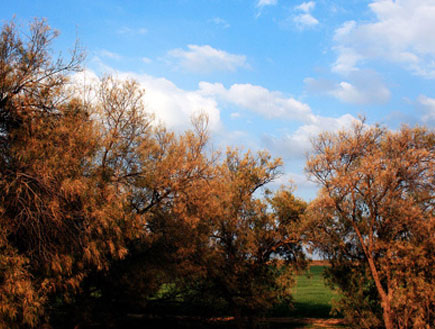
pixel 270 73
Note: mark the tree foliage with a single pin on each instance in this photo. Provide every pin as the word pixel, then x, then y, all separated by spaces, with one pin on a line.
pixel 253 243
pixel 103 212
pixel 374 219
pixel 100 207
pixel 60 216
pixel 215 247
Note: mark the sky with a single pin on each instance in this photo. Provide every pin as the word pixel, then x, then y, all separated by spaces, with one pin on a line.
pixel 270 74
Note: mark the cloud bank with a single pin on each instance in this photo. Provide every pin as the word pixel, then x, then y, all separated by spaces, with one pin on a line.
pixel 402 32
pixel 260 100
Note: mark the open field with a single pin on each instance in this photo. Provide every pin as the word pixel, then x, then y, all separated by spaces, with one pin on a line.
pixel 311 296
pixel 312 304
pixel 311 310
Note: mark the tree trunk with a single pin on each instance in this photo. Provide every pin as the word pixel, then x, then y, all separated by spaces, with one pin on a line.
pixel 385 302
pixel 238 319
pixel 387 314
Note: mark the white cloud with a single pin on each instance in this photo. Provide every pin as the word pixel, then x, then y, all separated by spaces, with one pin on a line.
pixel 171 105
pixel 80 83
pixel 296 144
pixel 175 106
pixel 428 107
pixel 132 31
pixel 305 19
pixel 146 60
pixel 274 105
pixel 362 88
pixel 298 181
pixel 402 32
pixel 262 3
pixel 108 54
pixel 240 139
pixel 269 104
pixel 220 22
pixel 346 61
pixel 344 30
pixel 306 6
pixel 205 59
pixel 348 93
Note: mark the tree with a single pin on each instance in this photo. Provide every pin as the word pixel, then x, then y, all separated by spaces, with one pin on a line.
pixel 101 207
pixel 254 243
pixel 61 213
pixel 215 244
pixel 374 219
pixel 33 188
pixel 168 185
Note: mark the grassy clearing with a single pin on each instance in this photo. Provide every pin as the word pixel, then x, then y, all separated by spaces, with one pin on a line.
pixel 312 298
pixel 312 301
pixel 312 304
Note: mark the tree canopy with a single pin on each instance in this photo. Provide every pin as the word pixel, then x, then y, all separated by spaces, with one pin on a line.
pixel 100 206
pixel 104 212
pixel 374 219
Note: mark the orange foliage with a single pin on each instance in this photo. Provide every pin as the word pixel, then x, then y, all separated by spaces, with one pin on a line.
pixel 59 215
pixel 375 213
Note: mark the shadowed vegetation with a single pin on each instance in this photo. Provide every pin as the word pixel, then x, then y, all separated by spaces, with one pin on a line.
pixel 109 220
pixel 100 206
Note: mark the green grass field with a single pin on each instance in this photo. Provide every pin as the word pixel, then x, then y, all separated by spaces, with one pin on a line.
pixel 312 298
pixel 312 306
